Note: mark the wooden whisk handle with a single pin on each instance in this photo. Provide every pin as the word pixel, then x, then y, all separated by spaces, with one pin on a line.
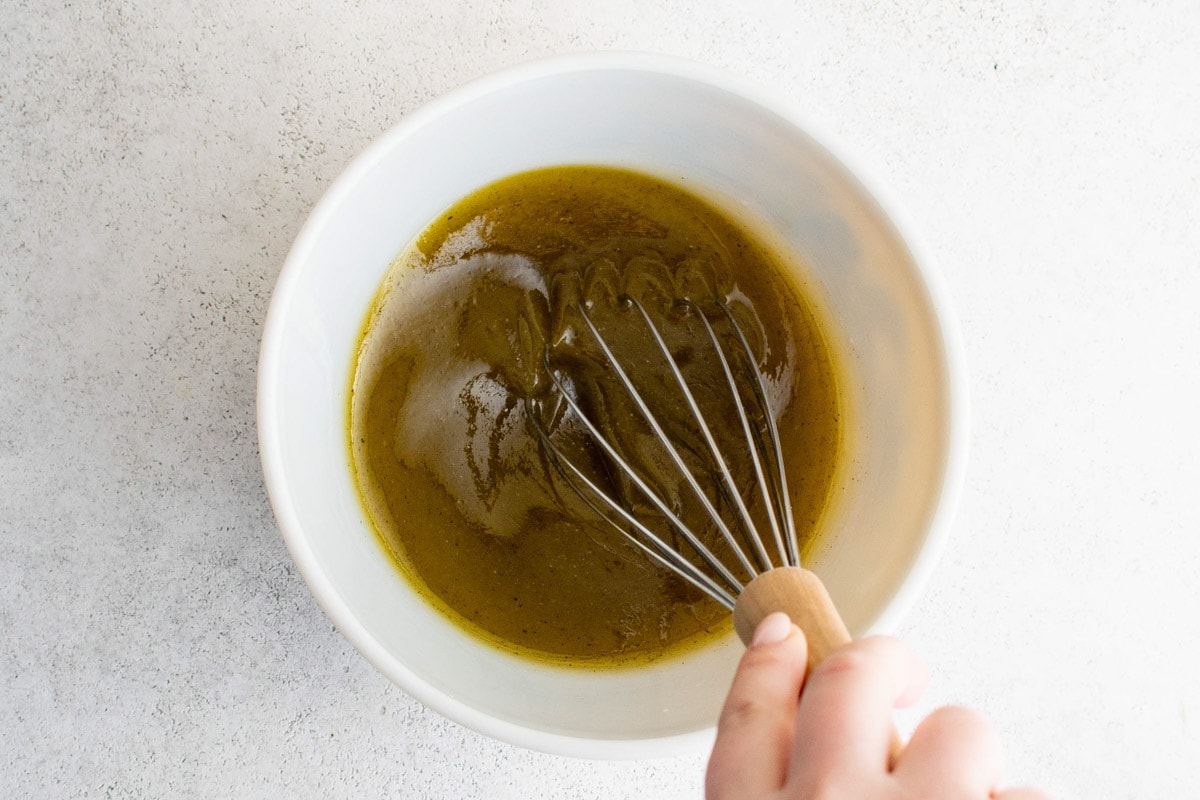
pixel 801 595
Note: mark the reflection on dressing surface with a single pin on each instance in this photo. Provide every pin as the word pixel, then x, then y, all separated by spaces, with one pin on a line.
pixel 454 362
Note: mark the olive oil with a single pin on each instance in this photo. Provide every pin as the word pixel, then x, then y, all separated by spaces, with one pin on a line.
pixel 452 363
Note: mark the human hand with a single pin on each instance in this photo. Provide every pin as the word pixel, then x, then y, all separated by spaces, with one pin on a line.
pixel 785 736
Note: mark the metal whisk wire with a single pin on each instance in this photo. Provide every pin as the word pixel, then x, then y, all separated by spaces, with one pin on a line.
pixel 787 587
pixel 770 477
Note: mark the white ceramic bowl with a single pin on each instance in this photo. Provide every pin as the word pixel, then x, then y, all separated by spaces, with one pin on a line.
pixel 758 156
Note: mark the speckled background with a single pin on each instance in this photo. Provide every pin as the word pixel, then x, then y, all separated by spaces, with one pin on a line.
pixel 156 160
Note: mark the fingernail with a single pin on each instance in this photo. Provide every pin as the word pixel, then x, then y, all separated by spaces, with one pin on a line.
pixel 773 629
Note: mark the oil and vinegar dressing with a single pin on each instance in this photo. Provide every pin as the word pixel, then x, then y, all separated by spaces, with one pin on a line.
pixel 452 371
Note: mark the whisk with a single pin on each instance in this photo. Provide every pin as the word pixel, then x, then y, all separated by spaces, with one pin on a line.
pixel 772 577
pixel 776 579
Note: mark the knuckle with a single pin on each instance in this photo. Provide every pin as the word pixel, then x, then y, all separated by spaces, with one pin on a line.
pixel 845 660
pixel 742 711
pixel 758 695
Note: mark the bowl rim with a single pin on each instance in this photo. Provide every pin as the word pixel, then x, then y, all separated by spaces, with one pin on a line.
pixel 268 389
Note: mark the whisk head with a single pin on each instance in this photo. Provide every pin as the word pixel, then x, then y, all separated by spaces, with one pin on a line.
pixel 701 487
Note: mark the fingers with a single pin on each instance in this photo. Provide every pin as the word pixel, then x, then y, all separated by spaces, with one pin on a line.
pixel 844 720
pixel 754 732
pixel 953 753
pixel 835 736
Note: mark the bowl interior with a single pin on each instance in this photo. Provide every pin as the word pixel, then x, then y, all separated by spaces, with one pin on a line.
pixel 697 131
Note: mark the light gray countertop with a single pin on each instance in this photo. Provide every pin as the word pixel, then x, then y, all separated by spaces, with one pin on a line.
pixel 157 159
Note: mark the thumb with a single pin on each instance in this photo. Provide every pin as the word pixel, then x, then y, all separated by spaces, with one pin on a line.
pixel 754 733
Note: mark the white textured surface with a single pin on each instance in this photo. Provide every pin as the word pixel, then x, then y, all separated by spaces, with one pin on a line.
pixel 156 161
